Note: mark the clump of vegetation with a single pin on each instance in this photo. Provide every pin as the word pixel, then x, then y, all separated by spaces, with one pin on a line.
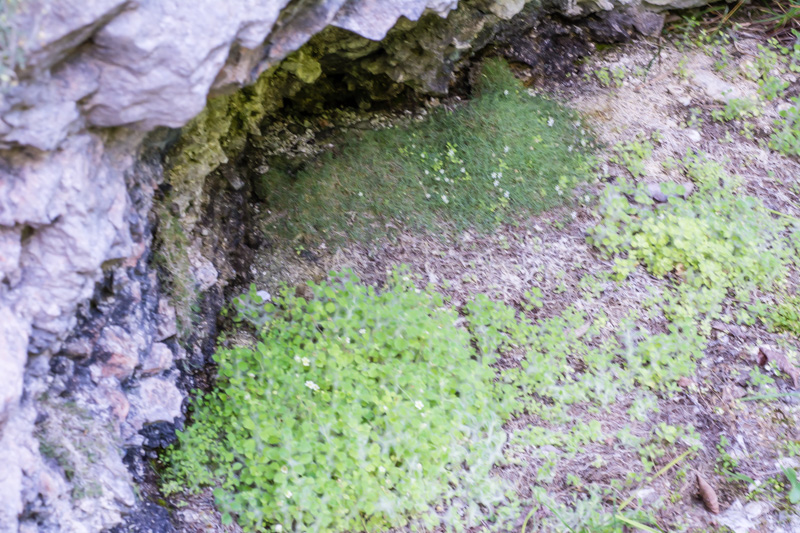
pixel 785 316
pixel 502 155
pixel 786 136
pixel 715 240
pixel 736 109
pixel 10 52
pixel 353 410
pixel 633 154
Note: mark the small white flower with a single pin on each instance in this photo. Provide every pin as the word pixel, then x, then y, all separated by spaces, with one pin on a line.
pixel 505 92
pixel 550 121
pixel 311 385
pixel 347 340
pixel 382 470
pixel 506 149
pixel 569 148
pixel 444 199
pixel 499 174
pixel 494 175
pixel 587 198
pixel 297 358
pixel 574 215
pixel 361 193
pixel 306 362
pixel 419 466
pixel 278 528
pixel 362 331
pixel 441 171
pixel 463 170
pixel 427 195
pixel 506 194
pixel 251 375
pixel 288 494
pixel 418 405
pixel 285 469
pixel 426 172
pixel 384 408
pixel 496 183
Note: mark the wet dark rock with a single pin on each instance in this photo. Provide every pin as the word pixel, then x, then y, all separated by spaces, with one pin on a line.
pixel 149 518
pixel 158 435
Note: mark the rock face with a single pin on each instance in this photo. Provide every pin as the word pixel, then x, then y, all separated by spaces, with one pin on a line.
pixel 77 180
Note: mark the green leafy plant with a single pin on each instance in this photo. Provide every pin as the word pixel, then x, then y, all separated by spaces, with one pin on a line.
pixel 633 154
pixel 772 87
pixel 493 159
pixel 735 109
pixel 794 486
pixel 713 241
pixel 603 76
pixel 352 410
pixel 786 136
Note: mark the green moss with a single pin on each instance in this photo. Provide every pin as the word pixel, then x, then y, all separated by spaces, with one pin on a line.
pixel 502 156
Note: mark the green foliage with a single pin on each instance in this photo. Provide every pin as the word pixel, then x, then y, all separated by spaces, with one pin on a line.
pixel 786 136
pixel 633 154
pixel 715 240
pixel 695 118
pixel 736 109
pixel 794 490
pixel 354 410
pixel 615 76
pixel 772 87
pixel 10 51
pixel 504 154
pixel 727 465
pixel 785 316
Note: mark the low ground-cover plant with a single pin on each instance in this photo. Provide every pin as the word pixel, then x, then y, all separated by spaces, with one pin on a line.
pixel 502 155
pixel 715 241
pixel 786 136
pixel 353 410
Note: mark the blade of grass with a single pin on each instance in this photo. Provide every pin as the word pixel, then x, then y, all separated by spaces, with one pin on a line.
pixel 530 514
pixel 768 396
pixel 637 525
pixel 661 472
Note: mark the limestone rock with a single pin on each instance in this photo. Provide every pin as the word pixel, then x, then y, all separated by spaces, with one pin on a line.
pixel 155 399
pixel 167 323
pixel 121 350
pixel 157 360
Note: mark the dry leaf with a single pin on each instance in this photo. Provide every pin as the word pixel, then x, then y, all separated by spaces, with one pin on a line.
pixel 767 354
pixel 708 495
pixel 685 382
